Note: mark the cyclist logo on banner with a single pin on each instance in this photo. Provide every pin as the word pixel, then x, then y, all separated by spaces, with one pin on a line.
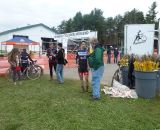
pixel 140 38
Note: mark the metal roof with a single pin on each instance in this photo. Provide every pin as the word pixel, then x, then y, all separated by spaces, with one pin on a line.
pixel 26 27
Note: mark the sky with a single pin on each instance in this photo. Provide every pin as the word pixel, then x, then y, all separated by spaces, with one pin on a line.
pixel 19 13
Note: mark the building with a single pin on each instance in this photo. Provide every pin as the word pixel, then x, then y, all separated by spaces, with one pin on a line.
pixel 39 33
pixel 44 35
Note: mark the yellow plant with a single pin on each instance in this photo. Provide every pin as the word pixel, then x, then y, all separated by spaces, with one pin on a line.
pixel 146 64
pixel 124 61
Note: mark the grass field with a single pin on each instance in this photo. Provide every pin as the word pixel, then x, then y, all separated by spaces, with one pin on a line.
pixel 46 105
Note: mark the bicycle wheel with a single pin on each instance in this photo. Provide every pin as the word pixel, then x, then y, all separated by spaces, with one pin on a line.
pixel 34 72
pixel 117 76
pixel 40 68
pixel 9 75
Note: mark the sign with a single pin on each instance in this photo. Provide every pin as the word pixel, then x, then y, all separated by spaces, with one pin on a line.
pixel 139 39
pixel 73 34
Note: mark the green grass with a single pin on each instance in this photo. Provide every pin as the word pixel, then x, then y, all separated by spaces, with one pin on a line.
pixel 46 105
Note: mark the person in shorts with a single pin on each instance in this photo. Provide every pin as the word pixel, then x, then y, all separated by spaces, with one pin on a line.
pixel 83 68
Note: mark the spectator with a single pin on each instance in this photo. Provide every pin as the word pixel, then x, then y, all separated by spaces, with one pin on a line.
pixel 14 61
pixel 60 63
pixel 116 53
pixel 131 76
pixel 97 66
pixel 83 68
pixel 109 55
pixel 24 59
pixel 51 54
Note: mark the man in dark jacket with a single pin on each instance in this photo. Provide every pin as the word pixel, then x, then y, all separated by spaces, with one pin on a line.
pixel 25 57
pixel 97 66
pixel 60 63
pixel 116 53
pixel 51 54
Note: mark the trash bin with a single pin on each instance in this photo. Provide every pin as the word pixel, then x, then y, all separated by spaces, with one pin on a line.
pixel 124 70
pixel 158 82
pixel 146 84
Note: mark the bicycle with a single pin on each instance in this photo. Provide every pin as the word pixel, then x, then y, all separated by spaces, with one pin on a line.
pixel 117 75
pixel 32 72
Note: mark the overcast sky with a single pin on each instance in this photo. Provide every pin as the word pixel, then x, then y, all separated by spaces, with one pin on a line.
pixel 19 13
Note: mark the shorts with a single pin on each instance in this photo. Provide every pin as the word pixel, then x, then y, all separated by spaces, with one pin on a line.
pixel 84 73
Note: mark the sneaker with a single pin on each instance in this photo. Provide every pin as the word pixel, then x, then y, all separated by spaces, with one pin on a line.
pixel 61 82
pixel 15 83
pixel 94 99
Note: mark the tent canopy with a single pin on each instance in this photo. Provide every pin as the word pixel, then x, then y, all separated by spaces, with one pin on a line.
pixel 20 40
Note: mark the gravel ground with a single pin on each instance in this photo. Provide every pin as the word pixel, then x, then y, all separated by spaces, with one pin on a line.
pixel 71 73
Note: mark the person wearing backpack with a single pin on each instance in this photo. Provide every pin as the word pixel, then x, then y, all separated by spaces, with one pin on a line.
pixel 96 64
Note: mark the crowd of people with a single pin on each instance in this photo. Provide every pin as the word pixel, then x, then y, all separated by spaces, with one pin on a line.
pixel 85 61
pixel 115 51
pixel 18 63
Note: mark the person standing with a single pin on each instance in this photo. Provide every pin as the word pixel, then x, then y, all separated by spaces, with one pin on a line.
pixel 51 54
pixel 96 64
pixel 60 63
pixel 116 53
pixel 14 61
pixel 83 68
pixel 109 55
pixel 24 59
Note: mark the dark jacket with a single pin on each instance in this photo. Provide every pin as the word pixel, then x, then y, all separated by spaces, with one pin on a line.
pixel 25 57
pixel 53 53
pixel 60 56
pixel 116 52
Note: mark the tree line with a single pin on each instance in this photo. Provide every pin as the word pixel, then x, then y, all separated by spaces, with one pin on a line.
pixel 111 29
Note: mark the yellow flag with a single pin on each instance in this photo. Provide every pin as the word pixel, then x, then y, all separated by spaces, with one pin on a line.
pixel 90 49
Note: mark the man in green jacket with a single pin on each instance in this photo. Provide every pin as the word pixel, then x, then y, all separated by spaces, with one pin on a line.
pixel 97 66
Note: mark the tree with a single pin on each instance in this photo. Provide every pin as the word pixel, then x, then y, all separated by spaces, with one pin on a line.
pixel 78 22
pixel 54 29
pixel 98 23
pixel 151 15
pixel 134 17
pixel 110 30
pixel 62 27
pixel 69 26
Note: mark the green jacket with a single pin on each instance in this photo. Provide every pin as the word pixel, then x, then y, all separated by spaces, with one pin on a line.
pixel 96 58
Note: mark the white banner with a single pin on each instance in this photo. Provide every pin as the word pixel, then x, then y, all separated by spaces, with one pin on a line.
pixel 73 34
pixel 139 39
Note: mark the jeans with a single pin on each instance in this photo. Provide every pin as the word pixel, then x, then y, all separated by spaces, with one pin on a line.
pixel 96 78
pixel 59 72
